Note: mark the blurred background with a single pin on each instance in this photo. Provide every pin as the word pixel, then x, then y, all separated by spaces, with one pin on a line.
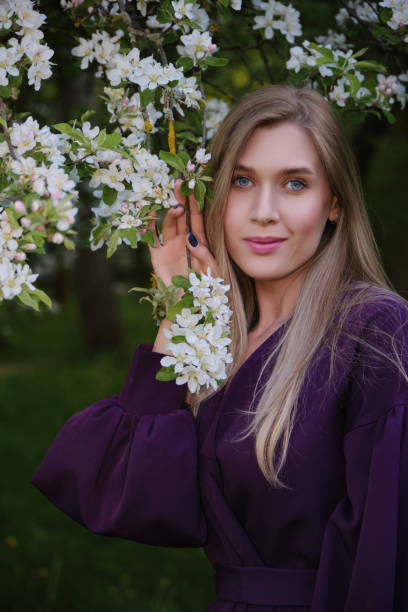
pixel 54 363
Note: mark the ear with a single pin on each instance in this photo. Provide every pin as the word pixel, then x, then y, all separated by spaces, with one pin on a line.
pixel 334 209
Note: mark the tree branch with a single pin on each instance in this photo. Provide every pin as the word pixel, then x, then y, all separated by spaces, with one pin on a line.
pixel 204 134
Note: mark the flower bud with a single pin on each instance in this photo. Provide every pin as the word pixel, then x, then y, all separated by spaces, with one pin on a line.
pixel 191 183
pixel 19 206
pixel 57 238
pixel 124 208
pixel 25 221
pixel 143 230
pixel 4 216
pixel 388 91
pixel 41 227
pixel 20 256
pixel 29 246
pixel 190 166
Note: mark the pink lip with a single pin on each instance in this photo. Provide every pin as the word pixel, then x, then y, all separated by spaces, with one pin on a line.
pixel 263 244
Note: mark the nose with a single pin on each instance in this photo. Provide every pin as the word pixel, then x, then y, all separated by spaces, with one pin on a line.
pixel 265 206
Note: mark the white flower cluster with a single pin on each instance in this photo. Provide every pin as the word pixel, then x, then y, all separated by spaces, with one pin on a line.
pixel 14 276
pixel 142 184
pixel 197 45
pixel 390 88
pixel 183 10
pixel 277 16
pixel 145 72
pixel 355 11
pixel 216 111
pixel 334 40
pixel 20 17
pixel 349 81
pixel 399 17
pixel 200 337
pixel 134 120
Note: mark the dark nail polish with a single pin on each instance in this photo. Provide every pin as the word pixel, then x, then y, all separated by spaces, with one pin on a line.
pixel 179 206
pixel 192 239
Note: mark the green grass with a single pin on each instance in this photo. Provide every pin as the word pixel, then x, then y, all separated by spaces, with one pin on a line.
pixel 49 563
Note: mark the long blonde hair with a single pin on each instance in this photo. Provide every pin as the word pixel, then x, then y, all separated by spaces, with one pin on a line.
pixel 347 254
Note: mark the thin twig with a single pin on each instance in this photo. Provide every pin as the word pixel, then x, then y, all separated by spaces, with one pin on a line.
pixel 220 90
pixel 204 134
pixel 5 130
pixel 263 56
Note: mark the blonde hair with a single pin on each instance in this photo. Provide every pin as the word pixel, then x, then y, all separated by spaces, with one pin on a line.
pixel 347 254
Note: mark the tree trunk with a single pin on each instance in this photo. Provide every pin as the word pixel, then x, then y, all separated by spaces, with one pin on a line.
pixel 100 324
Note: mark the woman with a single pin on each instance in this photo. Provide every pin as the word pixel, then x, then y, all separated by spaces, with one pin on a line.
pixel 294 475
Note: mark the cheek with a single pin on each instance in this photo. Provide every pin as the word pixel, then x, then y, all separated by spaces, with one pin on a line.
pixel 308 220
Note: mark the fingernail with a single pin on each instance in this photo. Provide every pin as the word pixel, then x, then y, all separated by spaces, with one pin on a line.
pixel 192 239
pixel 178 206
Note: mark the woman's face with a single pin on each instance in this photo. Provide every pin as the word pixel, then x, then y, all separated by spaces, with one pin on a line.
pixel 278 204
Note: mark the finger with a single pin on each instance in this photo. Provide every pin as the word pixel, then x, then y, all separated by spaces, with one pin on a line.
pixel 171 222
pixel 152 226
pixel 201 255
pixel 181 199
pixel 196 220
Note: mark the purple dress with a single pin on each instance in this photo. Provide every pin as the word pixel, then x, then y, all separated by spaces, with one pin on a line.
pixel 138 465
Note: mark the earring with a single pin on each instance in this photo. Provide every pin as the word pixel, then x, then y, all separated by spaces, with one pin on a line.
pixel 335 220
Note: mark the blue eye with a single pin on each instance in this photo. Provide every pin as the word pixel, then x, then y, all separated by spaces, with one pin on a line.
pixel 241 181
pixel 296 185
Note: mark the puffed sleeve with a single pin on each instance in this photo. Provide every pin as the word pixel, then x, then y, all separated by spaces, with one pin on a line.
pixel 126 466
pixel 364 559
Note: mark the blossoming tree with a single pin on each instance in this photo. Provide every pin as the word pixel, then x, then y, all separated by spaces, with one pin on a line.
pixel 153 59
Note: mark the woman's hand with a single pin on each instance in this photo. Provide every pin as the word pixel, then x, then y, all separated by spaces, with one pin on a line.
pixel 170 257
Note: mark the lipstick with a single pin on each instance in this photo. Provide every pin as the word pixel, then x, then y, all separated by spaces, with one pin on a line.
pixel 264 244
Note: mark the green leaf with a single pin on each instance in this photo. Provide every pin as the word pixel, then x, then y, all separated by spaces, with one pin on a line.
pixel 185 189
pixel 42 297
pixel 67 129
pixel 354 83
pixel 86 115
pixel 184 157
pixel 148 237
pixel 217 61
pixel 164 12
pixel 147 96
pixel 113 243
pixel 180 281
pixel 5 91
pixel 130 234
pixel 369 65
pixel 186 302
pixel 166 373
pixel 209 317
pixel 199 194
pixel 389 116
pixel 172 160
pixel 112 140
pixel 100 232
pixel 224 2
pixel 325 51
pixel 3 122
pixel 69 244
pixel 186 63
pixel 109 195
pixel 178 339
pixel 26 299
pixel 359 53
pixel 101 137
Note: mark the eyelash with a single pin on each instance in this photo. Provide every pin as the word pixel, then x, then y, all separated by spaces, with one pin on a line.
pixel 236 179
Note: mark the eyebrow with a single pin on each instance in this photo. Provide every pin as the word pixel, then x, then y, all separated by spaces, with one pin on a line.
pixel 295 170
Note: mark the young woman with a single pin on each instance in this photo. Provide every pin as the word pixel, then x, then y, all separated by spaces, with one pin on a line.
pixel 293 475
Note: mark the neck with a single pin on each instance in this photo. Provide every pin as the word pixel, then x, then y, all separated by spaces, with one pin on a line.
pixel 276 300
